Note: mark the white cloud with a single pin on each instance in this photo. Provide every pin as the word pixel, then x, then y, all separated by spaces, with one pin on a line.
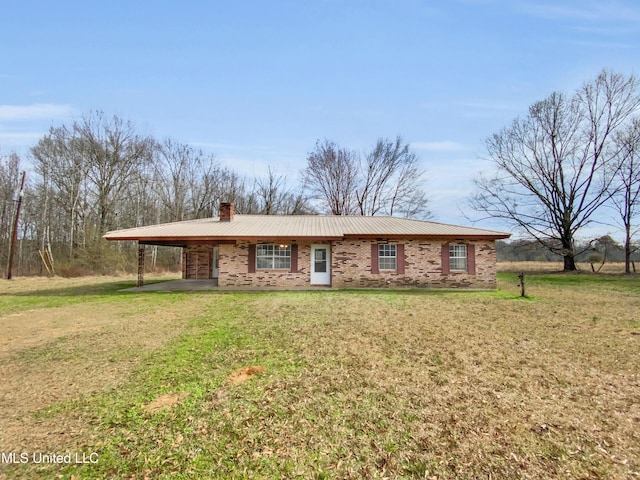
pixel 18 138
pixel 444 146
pixel 37 111
pixel 23 125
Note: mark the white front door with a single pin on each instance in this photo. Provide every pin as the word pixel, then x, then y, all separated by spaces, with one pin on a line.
pixel 320 265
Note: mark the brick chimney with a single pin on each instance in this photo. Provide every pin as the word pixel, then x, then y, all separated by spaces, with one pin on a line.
pixel 226 212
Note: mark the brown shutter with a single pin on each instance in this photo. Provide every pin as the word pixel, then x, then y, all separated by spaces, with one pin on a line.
pixel 445 258
pixel 400 259
pixel 252 259
pixel 374 258
pixel 471 259
pixel 294 258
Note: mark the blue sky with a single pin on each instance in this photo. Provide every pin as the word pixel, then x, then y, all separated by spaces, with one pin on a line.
pixel 257 82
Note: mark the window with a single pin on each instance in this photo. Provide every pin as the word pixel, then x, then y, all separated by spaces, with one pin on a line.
pixel 387 256
pixel 273 257
pixel 458 258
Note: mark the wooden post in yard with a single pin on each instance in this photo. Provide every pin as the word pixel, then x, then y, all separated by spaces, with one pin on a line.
pixel 14 236
pixel 140 265
pixel 522 289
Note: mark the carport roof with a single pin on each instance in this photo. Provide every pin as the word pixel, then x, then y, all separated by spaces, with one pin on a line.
pixel 300 227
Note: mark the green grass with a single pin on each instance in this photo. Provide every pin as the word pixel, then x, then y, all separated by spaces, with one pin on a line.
pixel 46 295
pixel 359 384
pixel 58 297
pixel 165 444
pixel 585 279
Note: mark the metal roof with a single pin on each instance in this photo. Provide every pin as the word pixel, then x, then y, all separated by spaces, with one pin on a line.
pixel 296 227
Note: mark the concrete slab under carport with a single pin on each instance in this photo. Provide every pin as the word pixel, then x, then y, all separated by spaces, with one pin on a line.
pixel 183 285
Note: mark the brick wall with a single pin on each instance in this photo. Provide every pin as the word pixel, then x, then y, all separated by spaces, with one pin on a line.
pixel 234 270
pixel 351 267
pixel 423 266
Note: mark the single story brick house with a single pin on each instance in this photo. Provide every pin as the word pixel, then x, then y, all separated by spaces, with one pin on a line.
pixel 326 251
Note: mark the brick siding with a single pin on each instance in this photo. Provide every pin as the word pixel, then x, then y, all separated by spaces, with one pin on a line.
pixel 422 266
pixel 351 266
pixel 234 270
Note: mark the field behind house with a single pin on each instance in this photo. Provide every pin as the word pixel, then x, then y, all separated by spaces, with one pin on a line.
pixel 347 384
pixel 611 268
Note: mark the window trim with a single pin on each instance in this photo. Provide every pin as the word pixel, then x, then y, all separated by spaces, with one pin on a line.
pixel 452 258
pixel 381 248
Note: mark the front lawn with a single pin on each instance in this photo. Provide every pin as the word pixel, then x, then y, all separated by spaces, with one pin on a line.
pixel 348 384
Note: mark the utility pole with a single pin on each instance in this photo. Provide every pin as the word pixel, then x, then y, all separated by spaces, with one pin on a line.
pixel 14 237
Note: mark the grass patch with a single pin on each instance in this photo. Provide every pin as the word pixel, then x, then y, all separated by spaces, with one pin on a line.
pixel 29 293
pixel 357 384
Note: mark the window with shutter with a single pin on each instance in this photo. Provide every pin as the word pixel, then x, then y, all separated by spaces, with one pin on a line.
pixel 387 257
pixel 458 258
pixel 273 257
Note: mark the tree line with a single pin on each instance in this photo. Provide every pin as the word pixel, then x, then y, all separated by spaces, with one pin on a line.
pixel 599 251
pixel 100 173
pixel 558 170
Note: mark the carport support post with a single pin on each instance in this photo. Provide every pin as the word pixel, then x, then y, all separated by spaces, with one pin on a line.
pixel 140 265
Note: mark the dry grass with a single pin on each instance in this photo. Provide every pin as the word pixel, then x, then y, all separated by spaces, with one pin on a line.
pixel 62 346
pixel 551 267
pixel 356 385
pixel 461 386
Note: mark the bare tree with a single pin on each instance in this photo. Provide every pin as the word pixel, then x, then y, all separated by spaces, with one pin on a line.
pixel 408 198
pixel 100 173
pixel 388 180
pixel 59 161
pixel 90 178
pixel 391 181
pixel 271 192
pixel 172 172
pixel 276 198
pixel 113 150
pixel 331 177
pixel 9 183
pixel 626 197
pixel 552 166
pixel 186 180
pixel 298 204
pixel 140 203
pixel 225 185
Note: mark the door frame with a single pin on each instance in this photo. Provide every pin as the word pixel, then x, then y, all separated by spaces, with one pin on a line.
pixel 215 262
pixel 325 277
